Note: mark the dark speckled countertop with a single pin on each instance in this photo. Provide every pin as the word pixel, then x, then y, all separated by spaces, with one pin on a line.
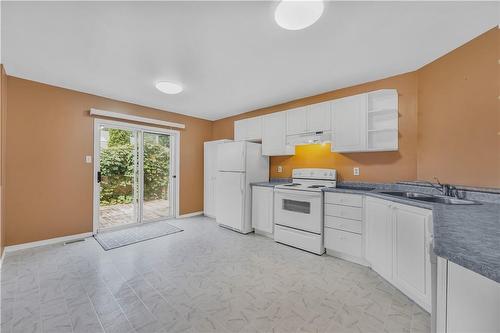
pixel 271 183
pixel 468 235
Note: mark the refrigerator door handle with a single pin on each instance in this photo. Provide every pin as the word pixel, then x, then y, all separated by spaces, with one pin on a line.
pixel 242 185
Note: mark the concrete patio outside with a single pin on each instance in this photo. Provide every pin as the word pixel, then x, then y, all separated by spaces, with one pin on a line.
pixel 122 214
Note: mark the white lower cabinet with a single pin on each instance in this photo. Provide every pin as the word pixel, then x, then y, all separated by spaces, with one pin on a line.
pixel 467 301
pixel 263 209
pixel 343 242
pixel 344 226
pixel 412 250
pixel 379 219
pixel 398 239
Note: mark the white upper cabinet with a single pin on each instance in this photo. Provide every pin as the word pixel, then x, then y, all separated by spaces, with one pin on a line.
pixel 310 118
pixel 319 117
pixel 382 120
pixel 349 124
pixel 249 129
pixel 296 121
pixel 360 123
pixel 274 135
pixel 240 130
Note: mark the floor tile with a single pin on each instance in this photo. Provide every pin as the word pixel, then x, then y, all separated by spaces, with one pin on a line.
pixel 205 279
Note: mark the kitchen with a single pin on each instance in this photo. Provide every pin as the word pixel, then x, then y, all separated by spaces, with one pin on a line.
pixel 254 166
pixel 417 235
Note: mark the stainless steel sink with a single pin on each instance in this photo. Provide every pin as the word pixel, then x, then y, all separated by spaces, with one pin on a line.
pixel 411 195
pixel 431 198
pixel 359 188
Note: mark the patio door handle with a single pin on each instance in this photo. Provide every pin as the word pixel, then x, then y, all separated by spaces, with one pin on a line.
pixel 98 176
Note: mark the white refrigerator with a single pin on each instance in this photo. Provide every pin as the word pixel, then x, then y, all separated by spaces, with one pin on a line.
pixel 239 163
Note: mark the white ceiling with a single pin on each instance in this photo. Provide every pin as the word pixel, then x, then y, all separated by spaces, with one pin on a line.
pixel 230 57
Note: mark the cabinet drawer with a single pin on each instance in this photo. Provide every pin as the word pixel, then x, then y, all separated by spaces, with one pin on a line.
pixel 347 212
pixel 344 199
pixel 343 224
pixel 343 241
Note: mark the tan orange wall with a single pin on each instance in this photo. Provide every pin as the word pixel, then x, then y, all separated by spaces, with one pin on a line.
pixel 49 187
pixel 459 115
pixel 456 135
pixel 380 167
pixel 3 111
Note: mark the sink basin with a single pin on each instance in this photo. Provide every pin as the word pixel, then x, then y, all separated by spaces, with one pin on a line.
pixel 411 195
pixel 448 201
pixel 431 198
pixel 359 188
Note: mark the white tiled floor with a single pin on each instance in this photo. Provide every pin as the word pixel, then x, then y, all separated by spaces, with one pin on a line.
pixel 205 279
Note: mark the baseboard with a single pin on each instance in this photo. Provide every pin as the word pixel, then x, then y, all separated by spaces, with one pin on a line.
pixel 190 215
pixel 13 248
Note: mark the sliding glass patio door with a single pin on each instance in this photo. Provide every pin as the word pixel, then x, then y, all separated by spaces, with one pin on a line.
pixel 134 175
pixel 156 184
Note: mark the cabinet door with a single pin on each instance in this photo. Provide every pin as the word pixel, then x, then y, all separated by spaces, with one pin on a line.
pixel 349 124
pixel 249 129
pixel 473 303
pixel 240 130
pixel 319 117
pixel 262 208
pixel 411 260
pixel 274 135
pixel 254 128
pixel 378 220
pixel 296 121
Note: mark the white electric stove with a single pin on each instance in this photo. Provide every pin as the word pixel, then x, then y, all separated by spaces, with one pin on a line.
pixel 298 209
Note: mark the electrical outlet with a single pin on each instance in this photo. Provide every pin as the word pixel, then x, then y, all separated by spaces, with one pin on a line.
pixel 279 169
pixel 88 159
pixel 356 171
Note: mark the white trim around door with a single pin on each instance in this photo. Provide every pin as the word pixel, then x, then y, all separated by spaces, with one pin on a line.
pixel 125 125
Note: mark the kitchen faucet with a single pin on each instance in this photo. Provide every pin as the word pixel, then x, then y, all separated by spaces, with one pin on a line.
pixel 445 189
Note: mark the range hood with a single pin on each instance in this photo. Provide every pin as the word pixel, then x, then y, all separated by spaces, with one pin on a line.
pixel 309 138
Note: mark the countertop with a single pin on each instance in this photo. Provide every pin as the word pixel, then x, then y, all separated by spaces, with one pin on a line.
pixel 271 183
pixel 468 235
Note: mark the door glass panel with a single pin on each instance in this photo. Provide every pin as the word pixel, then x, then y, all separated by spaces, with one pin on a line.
pixel 157 201
pixel 297 206
pixel 118 173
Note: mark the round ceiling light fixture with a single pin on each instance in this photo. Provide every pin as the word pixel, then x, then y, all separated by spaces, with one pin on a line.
pixel 298 14
pixel 168 87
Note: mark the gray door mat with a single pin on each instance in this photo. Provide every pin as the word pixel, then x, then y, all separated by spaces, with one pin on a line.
pixel 114 239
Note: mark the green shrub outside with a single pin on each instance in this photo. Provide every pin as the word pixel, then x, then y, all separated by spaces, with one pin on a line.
pixel 117 168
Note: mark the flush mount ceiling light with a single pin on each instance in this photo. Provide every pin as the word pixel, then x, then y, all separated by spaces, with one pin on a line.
pixel 298 14
pixel 168 87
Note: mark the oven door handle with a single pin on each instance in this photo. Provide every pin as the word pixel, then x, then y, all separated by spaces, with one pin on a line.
pixel 298 192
